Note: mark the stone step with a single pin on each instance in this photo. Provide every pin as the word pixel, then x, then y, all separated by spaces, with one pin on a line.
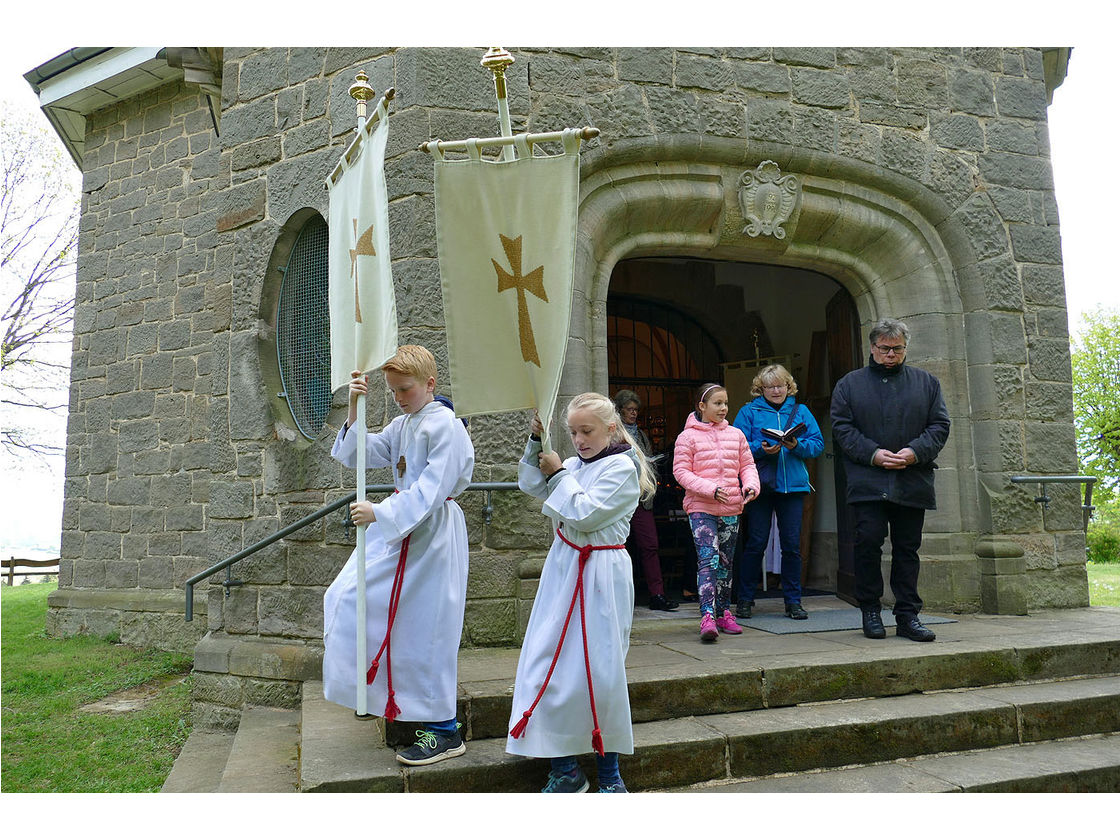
pixel 671 673
pixel 264 757
pixel 681 751
pixel 198 769
pixel 1089 764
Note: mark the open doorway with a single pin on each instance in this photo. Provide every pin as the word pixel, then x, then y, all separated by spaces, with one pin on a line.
pixel 673 324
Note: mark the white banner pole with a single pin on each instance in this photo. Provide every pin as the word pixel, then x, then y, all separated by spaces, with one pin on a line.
pixel 361 91
pixel 496 61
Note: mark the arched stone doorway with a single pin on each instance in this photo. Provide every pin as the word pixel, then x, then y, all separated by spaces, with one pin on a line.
pixel 673 324
pixel 892 244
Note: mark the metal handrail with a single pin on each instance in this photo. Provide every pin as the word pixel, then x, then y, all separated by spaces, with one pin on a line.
pixel 488 510
pixel 1087 506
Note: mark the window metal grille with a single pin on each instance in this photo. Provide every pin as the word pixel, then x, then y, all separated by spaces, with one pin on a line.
pixel 303 335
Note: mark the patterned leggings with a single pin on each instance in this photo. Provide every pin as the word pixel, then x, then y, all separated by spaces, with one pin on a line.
pixel 714 537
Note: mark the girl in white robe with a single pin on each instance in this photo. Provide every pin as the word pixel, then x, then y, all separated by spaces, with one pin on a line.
pixel 433 458
pixel 590 500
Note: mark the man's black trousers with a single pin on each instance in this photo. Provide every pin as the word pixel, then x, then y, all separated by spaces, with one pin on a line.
pixel 872 521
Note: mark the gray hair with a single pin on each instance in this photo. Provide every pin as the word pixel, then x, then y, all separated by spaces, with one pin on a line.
pixel 888 327
pixel 623 397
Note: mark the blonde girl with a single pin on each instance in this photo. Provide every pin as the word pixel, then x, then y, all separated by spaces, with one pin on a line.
pixel 570 691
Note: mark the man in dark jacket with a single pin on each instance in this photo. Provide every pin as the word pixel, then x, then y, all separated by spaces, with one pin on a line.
pixel 889 421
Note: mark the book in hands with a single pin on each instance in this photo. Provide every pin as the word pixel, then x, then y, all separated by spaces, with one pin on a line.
pixel 778 436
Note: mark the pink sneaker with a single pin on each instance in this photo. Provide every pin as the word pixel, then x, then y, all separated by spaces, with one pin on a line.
pixel 727 624
pixel 708 631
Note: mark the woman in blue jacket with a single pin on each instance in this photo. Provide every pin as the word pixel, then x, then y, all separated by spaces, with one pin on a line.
pixel 784 478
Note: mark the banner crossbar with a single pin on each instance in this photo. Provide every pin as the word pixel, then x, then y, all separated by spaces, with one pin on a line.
pixel 434 146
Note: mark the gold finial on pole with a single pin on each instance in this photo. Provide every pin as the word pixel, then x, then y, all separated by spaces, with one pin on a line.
pixel 496 61
pixel 362 91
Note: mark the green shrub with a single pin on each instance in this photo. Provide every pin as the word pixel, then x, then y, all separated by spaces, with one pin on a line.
pixel 1104 542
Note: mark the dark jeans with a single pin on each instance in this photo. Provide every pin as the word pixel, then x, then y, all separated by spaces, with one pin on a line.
pixel 759 515
pixel 872 520
pixel 643 537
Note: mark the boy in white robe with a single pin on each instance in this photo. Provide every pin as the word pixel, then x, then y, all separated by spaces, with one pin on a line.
pixel 416 564
pixel 570 691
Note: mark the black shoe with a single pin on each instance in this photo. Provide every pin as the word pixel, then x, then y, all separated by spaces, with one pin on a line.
pixel 660 602
pixel 909 627
pixel 744 609
pixel 431 747
pixel 873 625
pixel 794 610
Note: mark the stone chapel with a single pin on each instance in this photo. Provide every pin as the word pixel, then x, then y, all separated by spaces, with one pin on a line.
pixel 740 206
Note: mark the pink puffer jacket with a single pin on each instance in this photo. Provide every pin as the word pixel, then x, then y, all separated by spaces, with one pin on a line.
pixel 711 455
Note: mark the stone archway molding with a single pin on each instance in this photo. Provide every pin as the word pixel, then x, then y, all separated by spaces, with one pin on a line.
pixel 897 247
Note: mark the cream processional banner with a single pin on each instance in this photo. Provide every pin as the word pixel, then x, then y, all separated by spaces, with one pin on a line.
pixel 363 308
pixel 505 233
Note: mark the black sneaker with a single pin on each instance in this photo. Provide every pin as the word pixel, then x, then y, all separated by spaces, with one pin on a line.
pixel 796 611
pixel 909 627
pixel 873 625
pixel 743 610
pixel 431 747
pixel 660 602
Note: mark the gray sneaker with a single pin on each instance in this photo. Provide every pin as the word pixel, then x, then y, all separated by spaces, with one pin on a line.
pixel 431 747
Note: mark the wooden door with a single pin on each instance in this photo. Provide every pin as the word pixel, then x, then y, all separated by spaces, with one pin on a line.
pixel 845 353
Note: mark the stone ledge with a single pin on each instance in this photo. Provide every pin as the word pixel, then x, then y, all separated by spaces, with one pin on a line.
pixel 126 600
pixel 273 659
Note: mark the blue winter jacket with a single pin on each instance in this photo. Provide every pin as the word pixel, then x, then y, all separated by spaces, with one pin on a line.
pixel 792 476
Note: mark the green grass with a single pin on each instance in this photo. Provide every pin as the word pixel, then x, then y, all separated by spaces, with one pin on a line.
pixel 1104 584
pixel 50 744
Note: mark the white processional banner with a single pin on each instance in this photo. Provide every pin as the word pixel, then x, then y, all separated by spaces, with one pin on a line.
pixel 363 308
pixel 505 232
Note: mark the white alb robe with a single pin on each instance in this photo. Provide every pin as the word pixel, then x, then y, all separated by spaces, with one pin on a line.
pixel 439 459
pixel 593 503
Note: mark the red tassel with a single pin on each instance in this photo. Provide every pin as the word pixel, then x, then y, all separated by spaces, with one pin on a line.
pixel 391 709
pixel 519 728
pixel 371 673
pixel 597 742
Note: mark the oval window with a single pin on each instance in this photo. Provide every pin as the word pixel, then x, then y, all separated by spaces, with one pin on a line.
pixel 303 336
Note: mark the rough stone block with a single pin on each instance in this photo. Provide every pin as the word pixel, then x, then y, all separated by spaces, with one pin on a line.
pixel 698 71
pixel 762 78
pixel 491 622
pixel 645 64
pixel 971 91
pixel 820 88
pixel 291 612
pixel 243 205
pixel 1036 244
pixel 1024 98
pixel 958 131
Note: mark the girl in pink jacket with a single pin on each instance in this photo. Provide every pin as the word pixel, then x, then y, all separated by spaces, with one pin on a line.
pixel 713 463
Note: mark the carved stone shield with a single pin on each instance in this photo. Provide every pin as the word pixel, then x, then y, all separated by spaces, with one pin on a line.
pixel 767 199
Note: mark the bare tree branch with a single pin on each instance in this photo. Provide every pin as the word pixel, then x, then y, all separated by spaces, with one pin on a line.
pixel 39 205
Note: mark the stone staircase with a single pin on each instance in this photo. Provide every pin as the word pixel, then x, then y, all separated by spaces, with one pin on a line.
pixel 996 703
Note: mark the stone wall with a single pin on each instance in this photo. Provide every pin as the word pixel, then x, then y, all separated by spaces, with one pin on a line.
pixel 180 452
pixel 138 453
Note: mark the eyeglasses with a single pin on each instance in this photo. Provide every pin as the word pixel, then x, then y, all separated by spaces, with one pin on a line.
pixel 897 349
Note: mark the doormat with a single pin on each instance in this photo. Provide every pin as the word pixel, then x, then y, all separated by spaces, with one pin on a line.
pixel 820 621
pixel 776 592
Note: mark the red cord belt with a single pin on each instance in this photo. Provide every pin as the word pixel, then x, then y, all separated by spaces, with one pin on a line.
pixel 584 555
pixel 391 708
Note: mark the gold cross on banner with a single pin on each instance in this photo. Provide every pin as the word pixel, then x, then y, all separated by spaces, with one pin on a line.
pixel 362 248
pixel 532 282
